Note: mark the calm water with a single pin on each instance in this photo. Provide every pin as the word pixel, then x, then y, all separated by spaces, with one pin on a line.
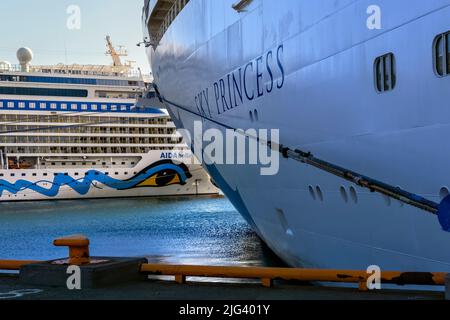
pixel 183 230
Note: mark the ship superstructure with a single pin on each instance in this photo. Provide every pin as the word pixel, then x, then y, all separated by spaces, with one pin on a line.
pixel 74 131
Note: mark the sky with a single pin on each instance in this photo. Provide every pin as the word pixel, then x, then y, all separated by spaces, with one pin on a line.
pixel 58 36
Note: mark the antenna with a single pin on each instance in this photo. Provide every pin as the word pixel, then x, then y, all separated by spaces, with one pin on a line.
pixel 115 54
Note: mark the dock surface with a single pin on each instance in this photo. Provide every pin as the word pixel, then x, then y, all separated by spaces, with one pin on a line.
pixel 11 288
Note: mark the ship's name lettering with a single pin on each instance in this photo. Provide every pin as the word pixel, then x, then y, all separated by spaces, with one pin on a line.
pixel 173 155
pixel 257 78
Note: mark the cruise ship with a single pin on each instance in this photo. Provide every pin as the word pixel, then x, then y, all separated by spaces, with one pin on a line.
pixel 75 132
pixel 350 84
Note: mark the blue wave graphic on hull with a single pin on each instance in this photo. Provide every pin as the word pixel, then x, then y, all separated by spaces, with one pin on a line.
pixel 164 173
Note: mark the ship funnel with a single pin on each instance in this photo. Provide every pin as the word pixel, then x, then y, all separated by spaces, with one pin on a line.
pixel 25 55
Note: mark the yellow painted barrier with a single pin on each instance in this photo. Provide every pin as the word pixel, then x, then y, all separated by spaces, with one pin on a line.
pixel 267 275
pixel 15 264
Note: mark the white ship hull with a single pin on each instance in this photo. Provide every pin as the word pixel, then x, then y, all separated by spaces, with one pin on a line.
pixel 323 100
pixel 85 183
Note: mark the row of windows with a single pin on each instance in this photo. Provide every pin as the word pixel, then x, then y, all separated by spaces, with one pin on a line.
pixel 87 140
pixel 83 150
pixel 117 95
pixel 65 106
pixel 81 119
pixel 76 130
pixel 49 92
pixel 45 174
pixel 98 82
pixel 385 66
pixel 84 163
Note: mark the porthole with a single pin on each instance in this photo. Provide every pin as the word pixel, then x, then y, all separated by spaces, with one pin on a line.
pixel 319 193
pixel 344 194
pixel 441 54
pixel 312 193
pixel 353 194
pixel 385 73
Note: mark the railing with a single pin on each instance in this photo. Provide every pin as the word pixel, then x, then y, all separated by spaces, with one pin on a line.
pixel 267 275
pixel 77 70
pixel 15 264
pixel 173 12
pixel 79 255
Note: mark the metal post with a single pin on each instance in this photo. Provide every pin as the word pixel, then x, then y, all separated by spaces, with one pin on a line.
pixel 6 158
pixel 1 159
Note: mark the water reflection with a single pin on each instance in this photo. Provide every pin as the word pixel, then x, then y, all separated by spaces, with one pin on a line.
pixel 185 230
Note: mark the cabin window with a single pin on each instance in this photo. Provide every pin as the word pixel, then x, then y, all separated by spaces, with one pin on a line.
pixel 50 92
pixel 441 54
pixel 385 73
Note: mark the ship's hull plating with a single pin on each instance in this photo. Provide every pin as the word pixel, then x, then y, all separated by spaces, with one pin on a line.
pixel 322 97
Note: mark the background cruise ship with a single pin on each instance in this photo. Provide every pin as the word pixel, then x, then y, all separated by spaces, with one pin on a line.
pixel 369 97
pixel 73 131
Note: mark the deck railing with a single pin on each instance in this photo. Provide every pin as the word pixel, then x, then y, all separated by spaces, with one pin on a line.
pixel 172 13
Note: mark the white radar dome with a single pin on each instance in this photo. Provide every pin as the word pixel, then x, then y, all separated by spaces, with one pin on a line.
pixel 25 55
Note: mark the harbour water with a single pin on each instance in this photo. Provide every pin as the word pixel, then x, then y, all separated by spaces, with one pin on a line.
pixel 180 230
